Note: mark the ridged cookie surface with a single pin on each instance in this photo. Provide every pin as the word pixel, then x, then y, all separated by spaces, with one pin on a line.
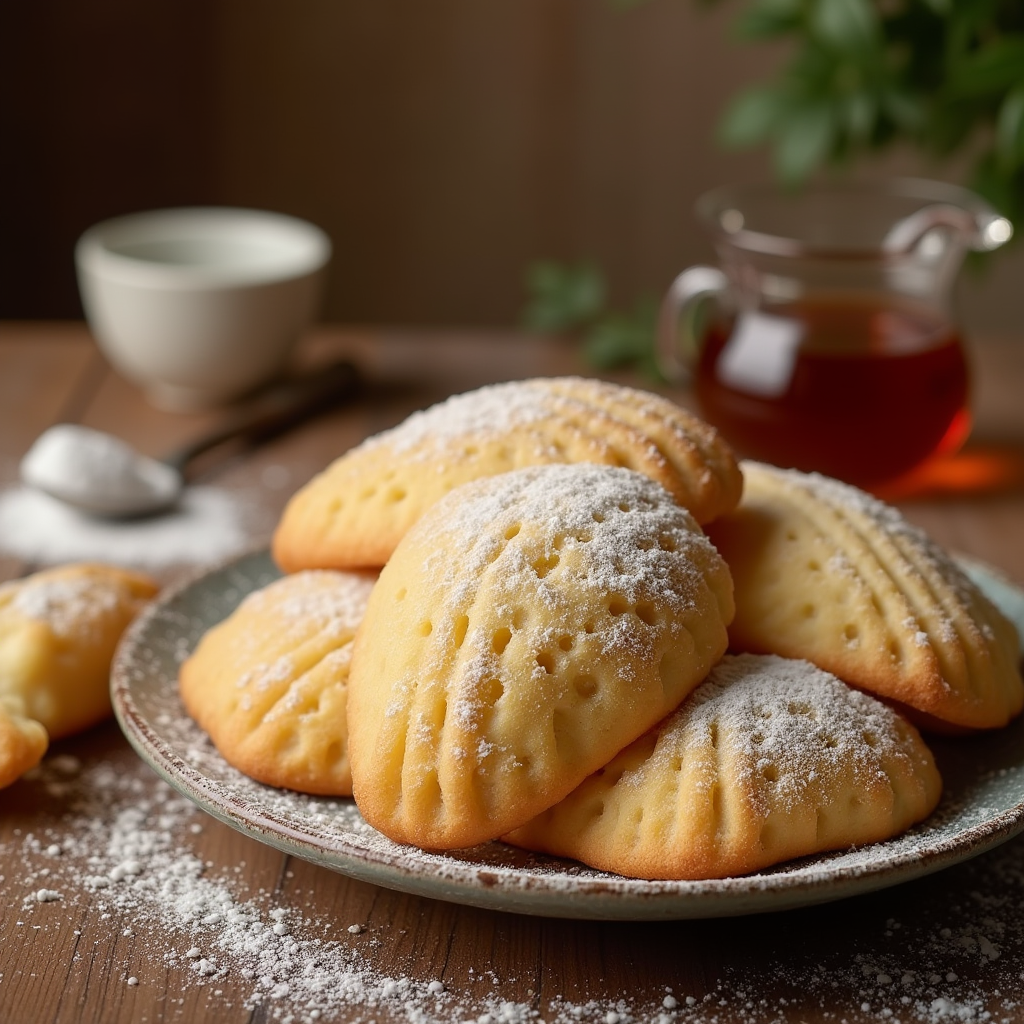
pixel 767 760
pixel 270 682
pixel 58 631
pixel 527 628
pixel 826 572
pixel 355 512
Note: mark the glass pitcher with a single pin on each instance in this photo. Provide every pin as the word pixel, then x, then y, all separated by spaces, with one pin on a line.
pixel 830 343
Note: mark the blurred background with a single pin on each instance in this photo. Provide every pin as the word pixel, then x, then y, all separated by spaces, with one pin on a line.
pixel 443 146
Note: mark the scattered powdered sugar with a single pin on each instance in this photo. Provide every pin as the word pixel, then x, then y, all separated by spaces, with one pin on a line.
pixel 182 912
pixel 122 859
pixel 207 525
pixel 120 850
pixel 68 605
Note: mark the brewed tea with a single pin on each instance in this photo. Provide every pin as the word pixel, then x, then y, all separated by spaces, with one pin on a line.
pixel 857 390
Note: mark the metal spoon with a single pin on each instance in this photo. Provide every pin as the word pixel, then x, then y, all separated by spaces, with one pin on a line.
pixel 104 476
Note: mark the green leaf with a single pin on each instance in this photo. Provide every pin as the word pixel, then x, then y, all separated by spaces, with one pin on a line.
pixel 952 125
pixel 972 20
pixel 561 297
pixel 803 142
pixel 906 110
pixel 751 117
pixel 861 114
pixel 844 24
pixel 623 338
pixel 992 69
pixel 993 183
pixel 767 18
pixel 1009 135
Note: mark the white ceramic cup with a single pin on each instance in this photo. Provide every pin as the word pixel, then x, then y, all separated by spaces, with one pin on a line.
pixel 201 305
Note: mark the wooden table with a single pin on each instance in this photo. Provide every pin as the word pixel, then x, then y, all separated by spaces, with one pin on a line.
pixel 949 946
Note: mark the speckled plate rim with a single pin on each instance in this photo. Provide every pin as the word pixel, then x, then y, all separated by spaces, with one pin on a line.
pixel 544 886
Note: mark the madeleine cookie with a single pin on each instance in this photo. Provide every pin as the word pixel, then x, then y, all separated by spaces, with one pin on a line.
pixel 58 631
pixel 270 682
pixel 527 628
pixel 23 741
pixel 830 574
pixel 767 760
pixel 354 513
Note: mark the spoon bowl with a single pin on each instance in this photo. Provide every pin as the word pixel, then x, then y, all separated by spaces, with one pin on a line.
pixel 103 476
pixel 99 474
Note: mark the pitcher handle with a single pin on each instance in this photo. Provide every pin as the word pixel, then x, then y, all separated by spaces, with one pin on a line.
pixel 677 345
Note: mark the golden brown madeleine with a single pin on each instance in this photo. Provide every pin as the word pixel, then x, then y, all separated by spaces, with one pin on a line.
pixel 23 741
pixel 767 760
pixel 58 632
pixel 270 682
pixel 526 629
pixel 825 572
pixel 355 512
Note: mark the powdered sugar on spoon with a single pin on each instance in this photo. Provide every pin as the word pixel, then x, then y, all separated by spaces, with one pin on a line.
pixel 99 473
pixel 104 476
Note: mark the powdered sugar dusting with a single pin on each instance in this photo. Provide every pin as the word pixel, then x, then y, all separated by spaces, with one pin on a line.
pixel 962 650
pixel 565 558
pixel 68 605
pixel 489 411
pixel 208 525
pixel 794 718
pixel 321 603
pixel 127 863
pixel 888 519
pixel 121 858
pixel 639 535
pixel 984 789
pixel 118 846
pixel 334 601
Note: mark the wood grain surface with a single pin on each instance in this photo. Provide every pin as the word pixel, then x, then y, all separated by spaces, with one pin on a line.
pixel 950 946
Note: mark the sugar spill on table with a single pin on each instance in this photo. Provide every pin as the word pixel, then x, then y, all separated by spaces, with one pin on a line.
pixel 208 525
pixel 118 854
pixel 119 851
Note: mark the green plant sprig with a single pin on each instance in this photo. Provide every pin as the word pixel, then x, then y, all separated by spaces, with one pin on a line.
pixel 573 299
pixel 944 75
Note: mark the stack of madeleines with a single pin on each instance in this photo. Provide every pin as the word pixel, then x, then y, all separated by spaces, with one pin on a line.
pixel 503 619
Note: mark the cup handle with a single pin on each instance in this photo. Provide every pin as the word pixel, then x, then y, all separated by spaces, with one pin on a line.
pixel 677 345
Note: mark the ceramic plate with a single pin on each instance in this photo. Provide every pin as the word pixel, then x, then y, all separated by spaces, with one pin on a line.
pixel 983 803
